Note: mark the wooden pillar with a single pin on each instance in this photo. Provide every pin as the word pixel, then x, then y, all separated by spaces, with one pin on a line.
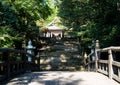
pixel 61 34
pixel 96 55
pixel 85 57
pixel 110 73
pixel 38 61
pixel 50 34
pixel 6 57
pixel 88 68
pixel 119 72
pixel 24 59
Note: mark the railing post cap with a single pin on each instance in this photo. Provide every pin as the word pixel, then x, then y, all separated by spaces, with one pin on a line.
pixel 97 44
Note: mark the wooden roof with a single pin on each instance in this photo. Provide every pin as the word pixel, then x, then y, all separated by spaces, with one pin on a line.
pixel 55 28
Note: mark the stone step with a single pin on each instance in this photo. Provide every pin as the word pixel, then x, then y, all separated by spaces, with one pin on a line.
pixel 61 55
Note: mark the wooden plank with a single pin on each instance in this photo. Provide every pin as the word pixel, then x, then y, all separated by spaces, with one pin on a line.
pixel 103 61
pixel 92 62
pixel 115 63
pixel 11 50
pixel 3 64
pixel 119 72
pixel 103 72
pixel 15 62
pixel 113 48
pixel 116 77
pixel 14 50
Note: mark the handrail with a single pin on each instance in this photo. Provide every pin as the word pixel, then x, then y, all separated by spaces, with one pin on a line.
pixel 103 61
pixel 114 48
pixel 108 67
pixel 13 61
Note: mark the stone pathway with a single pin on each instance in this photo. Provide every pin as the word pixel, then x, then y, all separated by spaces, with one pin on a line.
pixel 62 56
pixel 62 78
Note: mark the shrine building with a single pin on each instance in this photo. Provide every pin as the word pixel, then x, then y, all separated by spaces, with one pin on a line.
pixel 54 31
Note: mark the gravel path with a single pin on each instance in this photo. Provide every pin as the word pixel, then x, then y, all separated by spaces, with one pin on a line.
pixel 62 78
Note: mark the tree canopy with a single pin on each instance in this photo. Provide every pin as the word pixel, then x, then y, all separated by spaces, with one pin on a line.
pixel 92 19
pixel 18 20
pixel 88 19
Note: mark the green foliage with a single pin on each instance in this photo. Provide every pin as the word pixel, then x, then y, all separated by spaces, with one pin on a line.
pixel 92 19
pixel 72 13
pixel 18 20
pixel 54 5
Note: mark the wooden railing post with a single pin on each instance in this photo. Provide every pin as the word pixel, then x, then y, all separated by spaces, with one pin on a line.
pixel 119 72
pixel 6 57
pixel 96 55
pixel 110 73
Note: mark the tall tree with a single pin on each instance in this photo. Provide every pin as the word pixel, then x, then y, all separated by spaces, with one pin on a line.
pixel 20 16
pixel 92 19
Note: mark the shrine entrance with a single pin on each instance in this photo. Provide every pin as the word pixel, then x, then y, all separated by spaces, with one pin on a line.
pixel 55 31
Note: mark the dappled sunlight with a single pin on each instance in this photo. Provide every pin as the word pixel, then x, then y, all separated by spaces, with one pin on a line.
pixel 62 78
pixel 47 78
pixel 63 55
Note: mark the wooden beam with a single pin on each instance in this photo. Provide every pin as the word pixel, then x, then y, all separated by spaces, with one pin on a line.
pixel 113 48
pixel 103 61
pixel 115 63
pixel 110 64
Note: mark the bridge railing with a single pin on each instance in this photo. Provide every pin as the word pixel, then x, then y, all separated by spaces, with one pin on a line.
pixel 14 62
pixel 90 65
pixel 106 62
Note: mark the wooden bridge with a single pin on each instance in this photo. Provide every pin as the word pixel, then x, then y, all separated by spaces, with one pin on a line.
pixel 62 78
pixel 104 70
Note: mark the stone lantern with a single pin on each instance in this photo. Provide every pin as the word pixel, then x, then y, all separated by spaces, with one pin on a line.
pixel 30 49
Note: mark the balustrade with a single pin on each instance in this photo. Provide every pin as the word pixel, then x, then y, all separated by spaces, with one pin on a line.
pixel 107 66
pixel 14 62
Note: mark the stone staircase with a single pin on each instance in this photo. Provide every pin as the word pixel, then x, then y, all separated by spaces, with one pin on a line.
pixel 63 55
